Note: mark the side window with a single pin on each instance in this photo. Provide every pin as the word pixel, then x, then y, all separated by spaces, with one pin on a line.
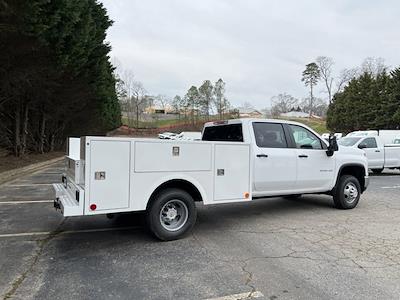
pixel 304 138
pixel 229 133
pixel 370 142
pixel 269 135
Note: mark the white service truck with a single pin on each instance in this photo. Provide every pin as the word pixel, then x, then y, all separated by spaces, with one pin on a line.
pixel 387 136
pixel 379 154
pixel 236 161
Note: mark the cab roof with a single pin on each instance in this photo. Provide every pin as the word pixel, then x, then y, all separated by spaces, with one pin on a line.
pixel 250 120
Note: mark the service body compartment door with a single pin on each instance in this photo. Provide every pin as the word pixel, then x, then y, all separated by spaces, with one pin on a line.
pixel 109 175
pixel 165 156
pixel 232 178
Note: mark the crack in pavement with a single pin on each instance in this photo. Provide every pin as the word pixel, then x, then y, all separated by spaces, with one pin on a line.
pixel 34 260
pixel 248 280
pixel 350 244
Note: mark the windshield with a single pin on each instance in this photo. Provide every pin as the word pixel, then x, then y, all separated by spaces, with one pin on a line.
pixel 348 141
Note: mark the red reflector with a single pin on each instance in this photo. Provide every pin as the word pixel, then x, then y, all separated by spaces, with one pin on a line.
pixel 93 207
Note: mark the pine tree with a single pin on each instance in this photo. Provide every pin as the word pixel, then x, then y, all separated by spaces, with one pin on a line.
pixel 206 98
pixel 310 77
pixel 192 101
pixel 55 76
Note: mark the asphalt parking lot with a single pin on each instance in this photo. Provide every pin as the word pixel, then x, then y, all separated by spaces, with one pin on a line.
pixel 267 249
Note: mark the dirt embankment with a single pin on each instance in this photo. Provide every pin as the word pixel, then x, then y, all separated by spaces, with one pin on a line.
pixel 152 132
pixel 10 162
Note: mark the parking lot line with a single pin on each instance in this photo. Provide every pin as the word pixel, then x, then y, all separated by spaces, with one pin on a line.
pixel 391 187
pixel 26 184
pixel 26 201
pixel 247 295
pixel 8 235
pixel 24 234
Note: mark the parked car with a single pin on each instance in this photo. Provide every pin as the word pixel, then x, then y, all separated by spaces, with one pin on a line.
pixel 188 136
pixel 379 156
pixel 236 161
pixel 338 135
pixel 166 135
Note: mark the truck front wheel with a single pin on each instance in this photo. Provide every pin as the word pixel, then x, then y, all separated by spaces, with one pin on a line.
pixel 347 192
pixel 171 214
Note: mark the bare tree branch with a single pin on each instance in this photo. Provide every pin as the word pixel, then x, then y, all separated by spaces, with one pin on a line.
pixel 325 67
pixel 345 76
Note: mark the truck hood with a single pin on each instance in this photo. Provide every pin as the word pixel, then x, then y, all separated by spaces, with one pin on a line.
pixel 351 150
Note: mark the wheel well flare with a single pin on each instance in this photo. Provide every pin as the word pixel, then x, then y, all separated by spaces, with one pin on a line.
pixel 356 171
pixel 184 185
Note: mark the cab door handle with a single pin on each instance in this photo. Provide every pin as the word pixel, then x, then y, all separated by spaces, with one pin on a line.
pixel 377 150
pixel 303 156
pixel 262 155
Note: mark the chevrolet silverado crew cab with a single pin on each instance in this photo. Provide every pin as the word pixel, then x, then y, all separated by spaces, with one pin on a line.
pixel 236 161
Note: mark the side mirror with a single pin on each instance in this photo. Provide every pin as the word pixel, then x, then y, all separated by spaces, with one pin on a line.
pixel 362 146
pixel 333 145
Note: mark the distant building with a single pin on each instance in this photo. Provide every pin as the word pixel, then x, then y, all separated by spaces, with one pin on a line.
pixel 156 109
pixel 298 114
pixel 248 112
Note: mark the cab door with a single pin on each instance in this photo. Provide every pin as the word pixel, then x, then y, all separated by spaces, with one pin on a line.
pixel 375 155
pixel 315 170
pixel 274 162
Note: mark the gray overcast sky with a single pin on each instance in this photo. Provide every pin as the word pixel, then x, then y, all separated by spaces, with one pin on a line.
pixel 259 48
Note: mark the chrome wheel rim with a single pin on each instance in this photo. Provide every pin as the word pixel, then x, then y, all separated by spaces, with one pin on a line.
pixel 173 215
pixel 350 192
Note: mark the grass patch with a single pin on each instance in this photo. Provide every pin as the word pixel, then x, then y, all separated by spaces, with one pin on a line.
pixel 153 123
pixel 317 124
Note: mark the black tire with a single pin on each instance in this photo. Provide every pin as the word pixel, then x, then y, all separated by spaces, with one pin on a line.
pixel 160 221
pixel 377 171
pixel 344 195
pixel 292 197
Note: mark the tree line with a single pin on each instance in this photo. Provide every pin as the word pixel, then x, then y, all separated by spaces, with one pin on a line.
pixel 197 103
pixel 283 103
pixel 321 71
pixel 208 99
pixel 55 76
pixel 369 101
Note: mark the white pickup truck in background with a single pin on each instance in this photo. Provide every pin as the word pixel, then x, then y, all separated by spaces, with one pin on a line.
pixel 236 161
pixel 387 136
pixel 379 154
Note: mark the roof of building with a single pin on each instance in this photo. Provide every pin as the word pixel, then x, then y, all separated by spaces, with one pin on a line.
pixel 299 114
pixel 247 110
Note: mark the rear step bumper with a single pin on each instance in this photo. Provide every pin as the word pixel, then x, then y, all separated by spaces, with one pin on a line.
pixel 65 201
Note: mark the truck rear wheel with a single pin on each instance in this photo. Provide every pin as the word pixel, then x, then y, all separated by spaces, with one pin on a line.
pixel 347 192
pixel 377 171
pixel 171 214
